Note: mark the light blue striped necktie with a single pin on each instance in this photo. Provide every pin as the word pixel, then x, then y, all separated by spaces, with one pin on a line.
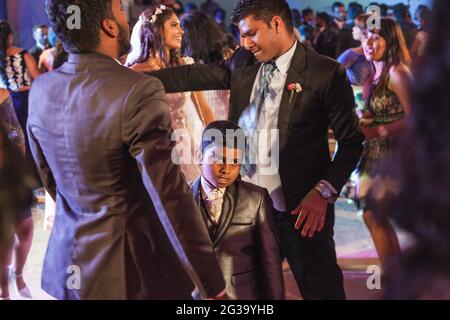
pixel 248 120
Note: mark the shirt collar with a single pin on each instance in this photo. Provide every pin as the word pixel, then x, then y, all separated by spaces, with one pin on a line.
pixel 208 187
pixel 283 62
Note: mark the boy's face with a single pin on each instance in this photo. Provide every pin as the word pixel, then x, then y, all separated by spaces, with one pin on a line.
pixel 221 166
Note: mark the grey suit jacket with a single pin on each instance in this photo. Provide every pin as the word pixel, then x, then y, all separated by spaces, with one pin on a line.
pixel 246 244
pixel 127 225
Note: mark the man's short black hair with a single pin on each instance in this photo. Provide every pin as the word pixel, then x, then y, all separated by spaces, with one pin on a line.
pixel 92 12
pixel 231 134
pixel 39 26
pixel 263 10
pixel 306 12
pixel 336 5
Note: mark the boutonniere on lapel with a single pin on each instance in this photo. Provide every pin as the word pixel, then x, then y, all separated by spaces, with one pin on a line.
pixel 294 88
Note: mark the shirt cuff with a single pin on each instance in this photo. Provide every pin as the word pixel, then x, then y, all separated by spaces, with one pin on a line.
pixel 329 185
pixel 220 295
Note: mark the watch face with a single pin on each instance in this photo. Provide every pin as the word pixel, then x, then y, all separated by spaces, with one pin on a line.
pixel 326 193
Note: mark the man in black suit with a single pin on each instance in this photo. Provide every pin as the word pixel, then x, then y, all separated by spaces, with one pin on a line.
pixel 40 36
pixel 239 219
pixel 292 89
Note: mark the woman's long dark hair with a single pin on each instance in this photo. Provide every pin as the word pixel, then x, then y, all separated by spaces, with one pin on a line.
pixel 152 41
pixel 396 52
pixel 5 31
pixel 203 39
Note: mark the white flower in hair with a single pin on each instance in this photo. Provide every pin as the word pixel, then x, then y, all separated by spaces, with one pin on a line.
pixel 157 11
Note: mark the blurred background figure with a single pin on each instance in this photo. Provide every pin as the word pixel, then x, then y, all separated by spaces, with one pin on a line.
pixel 308 17
pixel 16 183
pixel 353 59
pixel 190 7
pixel 135 8
pixel 345 39
pixel 209 7
pixel 423 17
pixel 325 38
pixel 306 30
pixel 387 105
pixel 17 70
pixel 40 36
pixel 404 19
pixel 339 14
pixel 296 18
pixel 220 17
pixel 415 189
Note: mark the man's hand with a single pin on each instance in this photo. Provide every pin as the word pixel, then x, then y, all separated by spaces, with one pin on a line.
pixel 369 133
pixel 312 212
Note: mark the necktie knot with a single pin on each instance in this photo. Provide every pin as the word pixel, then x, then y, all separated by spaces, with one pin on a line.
pixel 214 194
pixel 269 68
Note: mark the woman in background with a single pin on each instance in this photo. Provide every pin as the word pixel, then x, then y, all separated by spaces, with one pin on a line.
pixel 16 182
pixel 388 104
pixel 161 37
pixel 205 42
pixel 17 70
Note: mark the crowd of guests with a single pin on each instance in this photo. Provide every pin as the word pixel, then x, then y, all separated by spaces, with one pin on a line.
pixel 402 122
pixel 330 33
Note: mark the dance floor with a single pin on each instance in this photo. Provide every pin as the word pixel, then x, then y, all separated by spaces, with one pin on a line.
pixel 354 245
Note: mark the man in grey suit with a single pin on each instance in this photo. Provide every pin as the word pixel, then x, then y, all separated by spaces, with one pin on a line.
pixel 127 226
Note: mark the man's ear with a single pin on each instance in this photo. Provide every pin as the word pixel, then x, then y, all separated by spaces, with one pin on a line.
pixel 198 156
pixel 110 28
pixel 277 23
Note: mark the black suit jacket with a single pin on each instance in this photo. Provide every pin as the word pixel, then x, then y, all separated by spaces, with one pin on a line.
pixel 127 225
pixel 245 242
pixel 326 100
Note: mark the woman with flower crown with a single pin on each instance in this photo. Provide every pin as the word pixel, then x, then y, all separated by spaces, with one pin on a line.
pixel 161 37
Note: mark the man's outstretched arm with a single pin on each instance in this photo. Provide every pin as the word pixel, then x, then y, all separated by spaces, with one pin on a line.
pixel 146 130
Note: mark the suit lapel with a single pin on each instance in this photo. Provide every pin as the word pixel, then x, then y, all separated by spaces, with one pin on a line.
pixel 298 64
pixel 228 208
pixel 245 88
pixel 195 188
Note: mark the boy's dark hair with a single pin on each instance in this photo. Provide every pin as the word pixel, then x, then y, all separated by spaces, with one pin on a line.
pixel 232 135
pixel 263 10
pixel 39 26
pixel 93 13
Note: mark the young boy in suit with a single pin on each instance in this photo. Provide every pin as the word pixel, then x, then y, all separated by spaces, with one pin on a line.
pixel 238 216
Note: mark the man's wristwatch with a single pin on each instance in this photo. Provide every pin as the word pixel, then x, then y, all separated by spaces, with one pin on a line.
pixel 326 192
